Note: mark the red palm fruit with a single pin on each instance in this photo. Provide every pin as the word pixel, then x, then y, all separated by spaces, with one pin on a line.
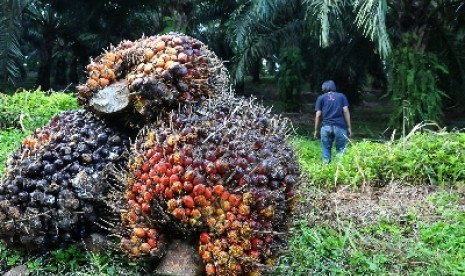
pixel 188 201
pixel 174 178
pixel 138 173
pixel 218 190
pixel 256 243
pixel 149 153
pixel 144 176
pixel 168 193
pixel 204 237
pixel 152 243
pixel 165 180
pixel 188 212
pixel 207 256
pixel 177 188
pixel 255 254
pixel 178 158
pixel 168 172
pixel 177 169
pixel 202 249
pixel 210 269
pixel 230 216
pixel 182 58
pixel 225 196
pixel 199 189
pixel 195 213
pixel 152 233
pixel 234 199
pixel 139 232
pixel 132 216
pixel 159 188
pixel 161 167
pixel 207 193
pixel 209 168
pixel 188 186
pixel 136 187
pixel 179 213
pixel 268 239
pixel 145 167
pixel 200 200
pixel 145 209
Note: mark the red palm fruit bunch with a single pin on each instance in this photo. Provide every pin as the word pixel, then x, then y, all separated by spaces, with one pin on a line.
pixel 151 75
pixel 221 171
pixel 52 190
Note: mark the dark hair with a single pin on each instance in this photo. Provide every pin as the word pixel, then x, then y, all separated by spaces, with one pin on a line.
pixel 328 86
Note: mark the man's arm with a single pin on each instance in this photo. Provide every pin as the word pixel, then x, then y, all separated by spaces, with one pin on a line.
pixel 317 123
pixel 346 112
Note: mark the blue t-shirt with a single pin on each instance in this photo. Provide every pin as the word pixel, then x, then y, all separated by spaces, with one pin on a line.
pixel 330 104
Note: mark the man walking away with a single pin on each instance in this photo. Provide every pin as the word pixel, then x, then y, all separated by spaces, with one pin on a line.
pixel 332 114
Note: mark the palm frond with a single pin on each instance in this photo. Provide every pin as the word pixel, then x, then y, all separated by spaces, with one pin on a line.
pixel 321 14
pixel 266 44
pixel 11 56
pixel 371 18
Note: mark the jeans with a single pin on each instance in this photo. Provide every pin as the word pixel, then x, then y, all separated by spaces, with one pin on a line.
pixel 329 134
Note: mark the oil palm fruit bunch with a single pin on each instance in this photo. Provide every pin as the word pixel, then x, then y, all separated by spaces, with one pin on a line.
pixel 221 172
pixel 51 193
pixel 149 76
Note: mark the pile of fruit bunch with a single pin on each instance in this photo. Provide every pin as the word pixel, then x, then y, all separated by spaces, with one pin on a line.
pixel 221 171
pixel 146 77
pixel 51 193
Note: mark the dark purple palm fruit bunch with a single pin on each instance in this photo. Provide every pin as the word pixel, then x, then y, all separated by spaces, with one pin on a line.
pixel 152 75
pixel 53 187
pixel 221 172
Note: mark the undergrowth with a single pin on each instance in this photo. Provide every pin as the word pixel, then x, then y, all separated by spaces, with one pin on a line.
pixel 405 247
pixel 23 112
pixel 422 158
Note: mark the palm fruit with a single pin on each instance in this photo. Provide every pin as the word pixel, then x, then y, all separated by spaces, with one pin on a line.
pixel 221 171
pixel 147 77
pixel 52 190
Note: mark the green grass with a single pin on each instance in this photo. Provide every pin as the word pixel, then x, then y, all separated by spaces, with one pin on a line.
pixel 23 112
pixel 408 247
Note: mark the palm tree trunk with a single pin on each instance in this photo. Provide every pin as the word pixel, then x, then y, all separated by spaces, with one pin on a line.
pixel 45 64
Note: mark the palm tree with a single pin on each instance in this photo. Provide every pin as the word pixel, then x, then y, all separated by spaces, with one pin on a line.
pixel 11 57
pixel 260 29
